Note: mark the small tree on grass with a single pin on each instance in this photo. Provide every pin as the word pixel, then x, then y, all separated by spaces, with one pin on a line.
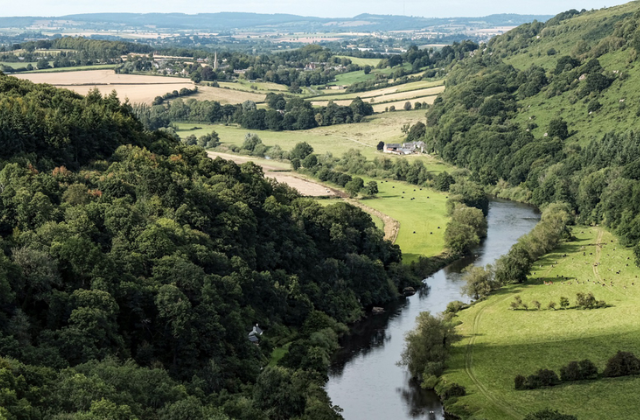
pixel 371 188
pixel 479 281
pixel 525 306
pixel 588 369
pixel 570 372
pixel 392 108
pixel 551 305
pixel 407 106
pixel 586 301
pixel 536 304
pixel 380 145
pixel 564 302
pixel 354 186
pixel 622 364
pixel 517 302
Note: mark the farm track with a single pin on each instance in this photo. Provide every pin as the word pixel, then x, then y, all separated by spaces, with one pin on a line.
pixel 468 366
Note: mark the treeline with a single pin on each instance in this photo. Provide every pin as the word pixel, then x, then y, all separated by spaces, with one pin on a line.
pixel 282 114
pixel 132 269
pixel 622 364
pixel 76 51
pixel 515 266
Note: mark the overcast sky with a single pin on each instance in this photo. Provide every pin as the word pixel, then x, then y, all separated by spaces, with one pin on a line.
pixel 321 8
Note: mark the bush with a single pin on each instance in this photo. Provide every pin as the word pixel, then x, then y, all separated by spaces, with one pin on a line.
pixel 622 364
pixel 594 106
pixel 454 390
pixel 588 369
pixel 571 372
pixel 548 377
pixel 455 307
pixel 542 378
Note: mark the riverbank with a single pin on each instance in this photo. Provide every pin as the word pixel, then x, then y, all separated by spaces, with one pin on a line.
pixel 364 379
pixel 500 343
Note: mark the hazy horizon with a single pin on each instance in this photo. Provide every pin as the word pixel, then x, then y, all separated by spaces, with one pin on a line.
pixel 328 8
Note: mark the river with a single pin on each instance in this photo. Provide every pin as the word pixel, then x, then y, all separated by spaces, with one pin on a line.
pixel 364 379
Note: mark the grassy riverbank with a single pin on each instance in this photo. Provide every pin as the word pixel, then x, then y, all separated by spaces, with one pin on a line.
pixel 500 343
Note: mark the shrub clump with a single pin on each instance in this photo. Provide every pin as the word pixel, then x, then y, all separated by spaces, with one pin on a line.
pixel 622 364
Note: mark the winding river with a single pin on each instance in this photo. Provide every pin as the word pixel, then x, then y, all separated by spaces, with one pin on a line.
pixel 364 379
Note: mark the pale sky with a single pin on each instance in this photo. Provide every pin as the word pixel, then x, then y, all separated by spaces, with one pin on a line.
pixel 320 8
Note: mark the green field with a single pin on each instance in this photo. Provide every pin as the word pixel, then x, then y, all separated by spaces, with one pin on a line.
pixel 500 343
pixel 362 61
pixel 249 86
pixel 335 139
pixel 76 68
pixel 359 76
pixel 407 87
pixel 21 64
pixel 423 215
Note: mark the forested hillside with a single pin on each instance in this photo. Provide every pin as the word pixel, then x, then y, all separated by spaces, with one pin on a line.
pixel 547 113
pixel 132 269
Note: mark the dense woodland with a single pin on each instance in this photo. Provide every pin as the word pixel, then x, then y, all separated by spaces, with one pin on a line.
pixel 132 269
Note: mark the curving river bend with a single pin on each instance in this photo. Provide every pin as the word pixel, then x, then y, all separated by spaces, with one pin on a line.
pixel 364 379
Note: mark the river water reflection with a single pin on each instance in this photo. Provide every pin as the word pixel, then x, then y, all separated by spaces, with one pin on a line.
pixel 364 379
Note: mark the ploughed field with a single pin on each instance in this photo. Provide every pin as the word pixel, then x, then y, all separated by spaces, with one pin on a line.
pixel 500 343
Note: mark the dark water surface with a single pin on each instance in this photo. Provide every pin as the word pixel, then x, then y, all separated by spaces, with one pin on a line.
pixel 364 379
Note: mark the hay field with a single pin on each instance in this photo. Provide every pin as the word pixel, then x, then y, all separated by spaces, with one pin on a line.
pixel 99 77
pixel 407 87
pixel 136 88
pixel 418 94
pixel 226 96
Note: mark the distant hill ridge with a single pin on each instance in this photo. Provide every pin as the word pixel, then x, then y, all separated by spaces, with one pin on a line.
pixel 240 20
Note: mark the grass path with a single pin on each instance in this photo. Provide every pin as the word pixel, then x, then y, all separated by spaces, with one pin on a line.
pixel 468 365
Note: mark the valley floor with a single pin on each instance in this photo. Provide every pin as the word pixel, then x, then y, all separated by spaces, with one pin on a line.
pixel 500 343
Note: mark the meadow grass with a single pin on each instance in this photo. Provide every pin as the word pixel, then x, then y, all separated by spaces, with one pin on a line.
pixel 362 61
pixel 249 86
pixel 359 76
pixel 76 68
pixel 500 343
pixel 423 215
pixel 335 139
